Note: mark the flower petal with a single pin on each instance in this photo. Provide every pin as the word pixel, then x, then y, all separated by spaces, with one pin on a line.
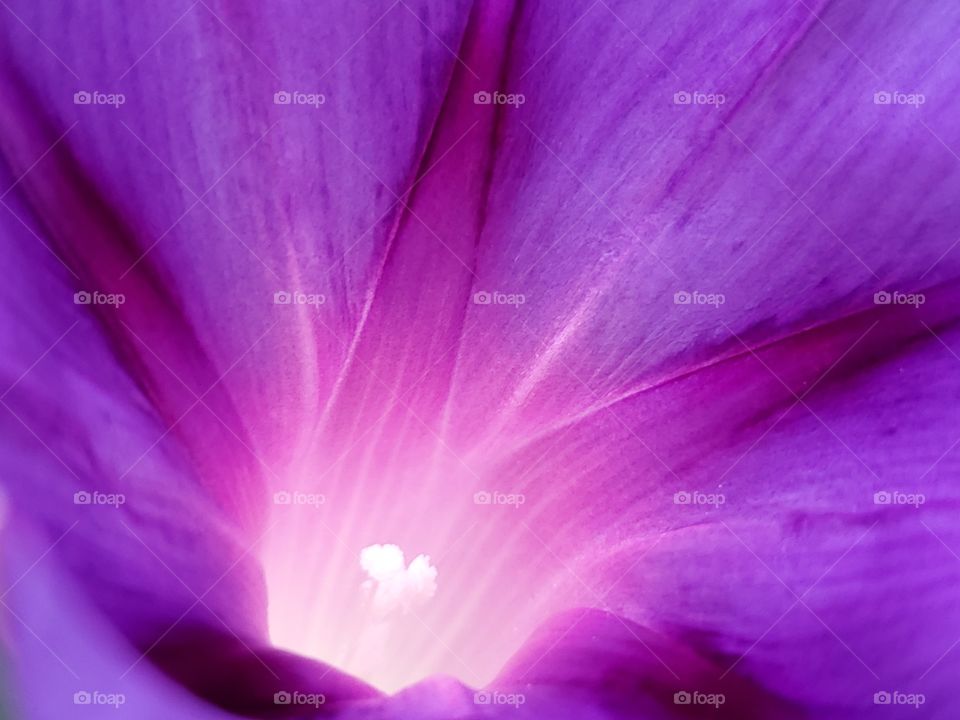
pixel 795 200
pixel 200 168
pixel 151 400
pixel 736 510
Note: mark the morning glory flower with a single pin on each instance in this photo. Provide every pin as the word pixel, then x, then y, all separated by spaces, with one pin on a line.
pixel 421 359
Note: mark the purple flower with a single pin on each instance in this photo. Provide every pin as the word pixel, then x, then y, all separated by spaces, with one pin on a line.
pixel 427 359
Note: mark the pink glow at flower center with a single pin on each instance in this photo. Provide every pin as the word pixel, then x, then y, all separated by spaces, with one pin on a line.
pixel 450 593
pixel 385 618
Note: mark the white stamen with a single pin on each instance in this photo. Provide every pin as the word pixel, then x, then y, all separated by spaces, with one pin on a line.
pixel 394 587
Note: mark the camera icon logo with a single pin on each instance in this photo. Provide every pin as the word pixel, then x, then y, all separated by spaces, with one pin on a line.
pixel 282 498
pixel 282 698
pixel 882 698
pixel 682 98
pixel 282 97
pixel 82 298
pixel 82 97
pixel 682 297
pixel 882 298
pixel 282 298
pixel 82 498
pixel 82 698
pixel 682 698
pixel 682 498
pixel 482 498
pixel 482 98
pixel 482 298
pixel 882 98
pixel 882 498
pixel 481 698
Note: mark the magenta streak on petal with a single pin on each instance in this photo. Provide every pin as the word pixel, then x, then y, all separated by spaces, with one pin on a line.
pixel 426 281
pixel 150 333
